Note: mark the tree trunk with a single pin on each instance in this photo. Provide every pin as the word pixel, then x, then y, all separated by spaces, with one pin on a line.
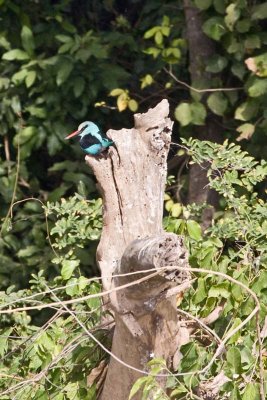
pixel 201 48
pixel 132 180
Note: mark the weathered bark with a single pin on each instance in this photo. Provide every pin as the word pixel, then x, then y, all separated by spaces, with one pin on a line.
pixel 132 180
pixel 201 48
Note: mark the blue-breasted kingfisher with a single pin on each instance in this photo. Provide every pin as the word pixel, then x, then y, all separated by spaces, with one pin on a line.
pixel 92 140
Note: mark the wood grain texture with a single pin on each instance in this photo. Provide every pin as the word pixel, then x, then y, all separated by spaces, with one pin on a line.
pixel 131 178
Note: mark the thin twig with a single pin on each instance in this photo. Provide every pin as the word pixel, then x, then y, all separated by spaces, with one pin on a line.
pixel 104 293
pixel 7 153
pixel 16 178
pixel 201 90
pixel 202 324
pixel 45 214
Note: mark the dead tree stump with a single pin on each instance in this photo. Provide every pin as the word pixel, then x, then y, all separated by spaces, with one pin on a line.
pixel 132 180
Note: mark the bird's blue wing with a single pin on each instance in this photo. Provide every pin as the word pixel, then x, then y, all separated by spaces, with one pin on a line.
pixel 94 149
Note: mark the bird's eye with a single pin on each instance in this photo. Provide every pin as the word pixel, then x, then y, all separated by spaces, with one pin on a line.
pixel 83 128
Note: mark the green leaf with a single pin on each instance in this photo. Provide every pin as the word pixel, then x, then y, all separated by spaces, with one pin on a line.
pixel 78 86
pixel 233 357
pixel 165 30
pixel 190 358
pixel 25 135
pixel 201 291
pixel 252 392
pixel 216 64
pixel 4 42
pixel 258 65
pixel 15 54
pixel 116 92
pixel 71 390
pixel 4 334
pixel 64 70
pixel 198 112
pixel 233 13
pixel 169 204
pixel 68 266
pixel 261 283
pixel 219 6
pixel 30 78
pixel 234 339
pixel 194 229
pixel 181 389
pixel 153 51
pixel 28 251
pixel 214 28
pixel 64 38
pixel 176 210
pixel 133 105
pixel 147 80
pixel 165 20
pixel 235 394
pixel 252 42
pixel 259 11
pixel 57 193
pixel 238 70
pixel 183 114
pixel 217 102
pixel 258 87
pixel 19 76
pixel 66 47
pixel 243 25
pixel 203 4
pixel 151 32
pixel 247 110
pixel 220 290
pixel 16 104
pixel 122 101
pixel 137 386
pixel 158 38
pixel 38 112
pixel 27 40
pixel 53 144
pixel 246 131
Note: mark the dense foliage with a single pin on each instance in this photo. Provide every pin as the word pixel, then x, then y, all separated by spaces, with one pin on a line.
pixel 62 63
pixel 235 245
pixel 60 60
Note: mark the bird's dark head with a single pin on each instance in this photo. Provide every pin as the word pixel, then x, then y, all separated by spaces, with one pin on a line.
pixel 84 128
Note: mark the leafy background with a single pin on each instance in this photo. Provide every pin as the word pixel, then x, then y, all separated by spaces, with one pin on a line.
pixel 62 63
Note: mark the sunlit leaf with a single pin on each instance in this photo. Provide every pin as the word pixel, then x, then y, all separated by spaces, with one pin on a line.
pixel 68 266
pixel 122 102
pixel 246 131
pixel 251 392
pixel 133 105
pixel 27 39
pixel 183 114
pixel 15 54
pixel 30 78
pixel 233 357
pixel 194 229
pixel 116 92
pixel 233 13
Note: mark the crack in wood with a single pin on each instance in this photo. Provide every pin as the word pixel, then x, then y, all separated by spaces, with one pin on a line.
pixel 152 128
pixel 117 189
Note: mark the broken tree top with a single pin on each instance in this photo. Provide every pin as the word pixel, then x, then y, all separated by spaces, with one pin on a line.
pixel 132 181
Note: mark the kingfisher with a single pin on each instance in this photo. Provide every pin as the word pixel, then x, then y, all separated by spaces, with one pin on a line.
pixel 92 140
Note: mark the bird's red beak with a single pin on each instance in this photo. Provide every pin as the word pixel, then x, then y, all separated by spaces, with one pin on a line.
pixel 72 134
